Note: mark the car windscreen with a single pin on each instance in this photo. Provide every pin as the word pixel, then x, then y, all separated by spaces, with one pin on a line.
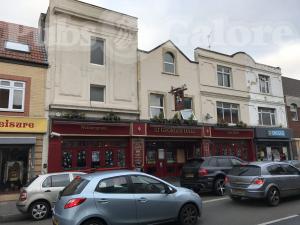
pixel 245 170
pixel 75 187
pixel 30 182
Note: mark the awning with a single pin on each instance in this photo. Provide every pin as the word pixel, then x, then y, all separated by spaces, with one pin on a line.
pixel 17 140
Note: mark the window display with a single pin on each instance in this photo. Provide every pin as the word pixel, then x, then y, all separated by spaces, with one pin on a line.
pixel 151 157
pixel 81 159
pixel 121 158
pixel 67 160
pixel 95 159
pixel 109 159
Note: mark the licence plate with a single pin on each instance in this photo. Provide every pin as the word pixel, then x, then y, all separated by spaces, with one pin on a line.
pixel 54 221
pixel 238 192
pixel 190 175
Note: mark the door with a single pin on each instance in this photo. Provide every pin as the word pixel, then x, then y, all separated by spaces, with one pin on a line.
pixel 153 204
pixel 115 202
pixel 53 184
pixel 292 178
pixel 278 177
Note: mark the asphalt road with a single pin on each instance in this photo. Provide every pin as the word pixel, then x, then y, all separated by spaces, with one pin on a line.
pixel 223 211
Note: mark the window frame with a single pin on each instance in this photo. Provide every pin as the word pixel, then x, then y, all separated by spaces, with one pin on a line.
pixel 104 50
pixel 260 116
pixel 231 108
pixel 11 88
pixel 223 74
pixel 98 86
pixel 156 107
pixel 169 63
pixel 294 112
pixel 264 84
pixel 148 193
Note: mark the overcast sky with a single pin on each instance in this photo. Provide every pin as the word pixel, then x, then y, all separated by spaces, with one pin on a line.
pixel 267 30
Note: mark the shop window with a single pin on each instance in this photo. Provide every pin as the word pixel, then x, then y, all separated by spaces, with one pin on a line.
pixel 264 84
pixel 97 51
pixel 227 112
pixel 81 159
pixel 169 63
pixel 224 75
pixel 156 105
pixel 95 159
pixel 294 112
pixel 266 116
pixel 67 160
pixel 171 157
pixel 12 95
pixel 109 158
pixel 151 157
pixel 121 158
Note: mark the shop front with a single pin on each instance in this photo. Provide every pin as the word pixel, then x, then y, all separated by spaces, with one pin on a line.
pixel 88 146
pixel 21 148
pixel 273 144
pixel 237 142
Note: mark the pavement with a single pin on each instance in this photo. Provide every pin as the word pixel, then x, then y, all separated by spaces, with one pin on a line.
pixel 10 213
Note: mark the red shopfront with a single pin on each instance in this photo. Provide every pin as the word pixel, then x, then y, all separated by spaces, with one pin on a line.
pixel 88 146
pixel 229 141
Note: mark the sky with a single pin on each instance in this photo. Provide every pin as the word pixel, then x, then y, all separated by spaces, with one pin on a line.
pixel 267 30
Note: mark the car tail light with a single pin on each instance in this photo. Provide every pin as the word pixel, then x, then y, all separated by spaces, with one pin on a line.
pixel 258 181
pixel 74 202
pixel 202 172
pixel 23 195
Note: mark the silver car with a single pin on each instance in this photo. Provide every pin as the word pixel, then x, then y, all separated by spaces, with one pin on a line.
pixel 263 180
pixel 125 198
pixel 38 197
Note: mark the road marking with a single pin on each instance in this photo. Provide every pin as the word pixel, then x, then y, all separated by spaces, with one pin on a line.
pixel 215 200
pixel 278 220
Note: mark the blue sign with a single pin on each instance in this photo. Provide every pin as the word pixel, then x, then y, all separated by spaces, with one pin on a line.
pixel 276 133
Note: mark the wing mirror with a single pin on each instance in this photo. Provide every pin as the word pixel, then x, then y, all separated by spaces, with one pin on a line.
pixel 168 190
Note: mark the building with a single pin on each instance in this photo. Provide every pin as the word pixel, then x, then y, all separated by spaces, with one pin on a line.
pixel 291 89
pixel 91 85
pixel 23 66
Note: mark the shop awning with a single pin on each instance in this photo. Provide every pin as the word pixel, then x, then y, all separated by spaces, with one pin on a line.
pixel 17 140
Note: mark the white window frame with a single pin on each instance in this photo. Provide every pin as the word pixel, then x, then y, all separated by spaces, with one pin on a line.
pixel 260 117
pixel 173 64
pixel 156 107
pixel 104 51
pixel 294 109
pixel 11 89
pixel 264 82
pixel 223 74
pixel 231 108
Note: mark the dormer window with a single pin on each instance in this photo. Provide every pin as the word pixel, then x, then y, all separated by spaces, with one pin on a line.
pixel 169 63
pixel 17 46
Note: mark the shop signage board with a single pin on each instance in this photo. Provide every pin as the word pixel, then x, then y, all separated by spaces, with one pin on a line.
pixel 23 125
pixel 232 133
pixel 174 131
pixel 138 149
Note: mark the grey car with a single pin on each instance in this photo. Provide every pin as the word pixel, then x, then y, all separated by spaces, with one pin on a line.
pixel 38 196
pixel 125 198
pixel 263 180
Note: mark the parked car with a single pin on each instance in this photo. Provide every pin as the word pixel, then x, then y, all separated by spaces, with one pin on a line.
pixel 263 180
pixel 208 173
pixel 37 198
pixel 125 197
pixel 295 163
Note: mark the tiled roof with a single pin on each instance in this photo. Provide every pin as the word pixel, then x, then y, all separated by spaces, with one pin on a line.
pixel 24 35
pixel 291 87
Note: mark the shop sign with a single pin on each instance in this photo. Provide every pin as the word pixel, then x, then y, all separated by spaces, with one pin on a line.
pixel 174 131
pixel 23 125
pixel 138 149
pixel 276 133
pixel 232 133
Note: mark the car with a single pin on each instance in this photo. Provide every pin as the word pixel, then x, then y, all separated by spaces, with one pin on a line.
pixel 208 173
pixel 295 163
pixel 37 198
pixel 125 197
pixel 263 180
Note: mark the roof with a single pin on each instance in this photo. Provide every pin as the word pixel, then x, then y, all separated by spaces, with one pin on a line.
pixel 23 35
pixel 291 87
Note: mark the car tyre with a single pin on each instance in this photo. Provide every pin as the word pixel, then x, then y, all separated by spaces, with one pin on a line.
pixel 219 187
pixel 93 222
pixel 273 196
pixel 188 215
pixel 39 210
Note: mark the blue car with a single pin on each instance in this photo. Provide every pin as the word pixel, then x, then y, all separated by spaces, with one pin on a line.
pixel 125 198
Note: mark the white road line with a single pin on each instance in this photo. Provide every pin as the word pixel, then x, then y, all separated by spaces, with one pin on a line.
pixel 215 200
pixel 278 220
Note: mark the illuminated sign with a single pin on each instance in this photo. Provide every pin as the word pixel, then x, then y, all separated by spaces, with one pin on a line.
pixel 276 133
pixel 23 125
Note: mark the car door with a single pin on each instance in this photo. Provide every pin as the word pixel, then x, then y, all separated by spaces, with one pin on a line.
pixel 152 201
pixel 53 184
pixel 292 179
pixel 115 202
pixel 278 177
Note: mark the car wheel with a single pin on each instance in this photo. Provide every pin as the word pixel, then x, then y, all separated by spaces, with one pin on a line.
pixel 188 215
pixel 235 198
pixel 219 187
pixel 273 196
pixel 39 210
pixel 93 222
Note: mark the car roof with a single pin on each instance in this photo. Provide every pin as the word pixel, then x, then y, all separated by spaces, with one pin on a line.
pixel 59 173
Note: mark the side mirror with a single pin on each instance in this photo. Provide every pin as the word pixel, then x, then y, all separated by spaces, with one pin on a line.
pixel 168 190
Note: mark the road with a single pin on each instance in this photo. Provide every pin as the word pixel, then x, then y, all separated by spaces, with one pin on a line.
pixel 223 211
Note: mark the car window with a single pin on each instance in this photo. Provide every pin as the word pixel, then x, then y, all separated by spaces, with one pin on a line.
pixel 236 162
pixel 213 162
pixel 60 180
pixel 143 184
pixel 276 170
pixel 75 187
pixel 47 182
pixel 224 162
pixel 245 170
pixel 289 170
pixel 115 185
